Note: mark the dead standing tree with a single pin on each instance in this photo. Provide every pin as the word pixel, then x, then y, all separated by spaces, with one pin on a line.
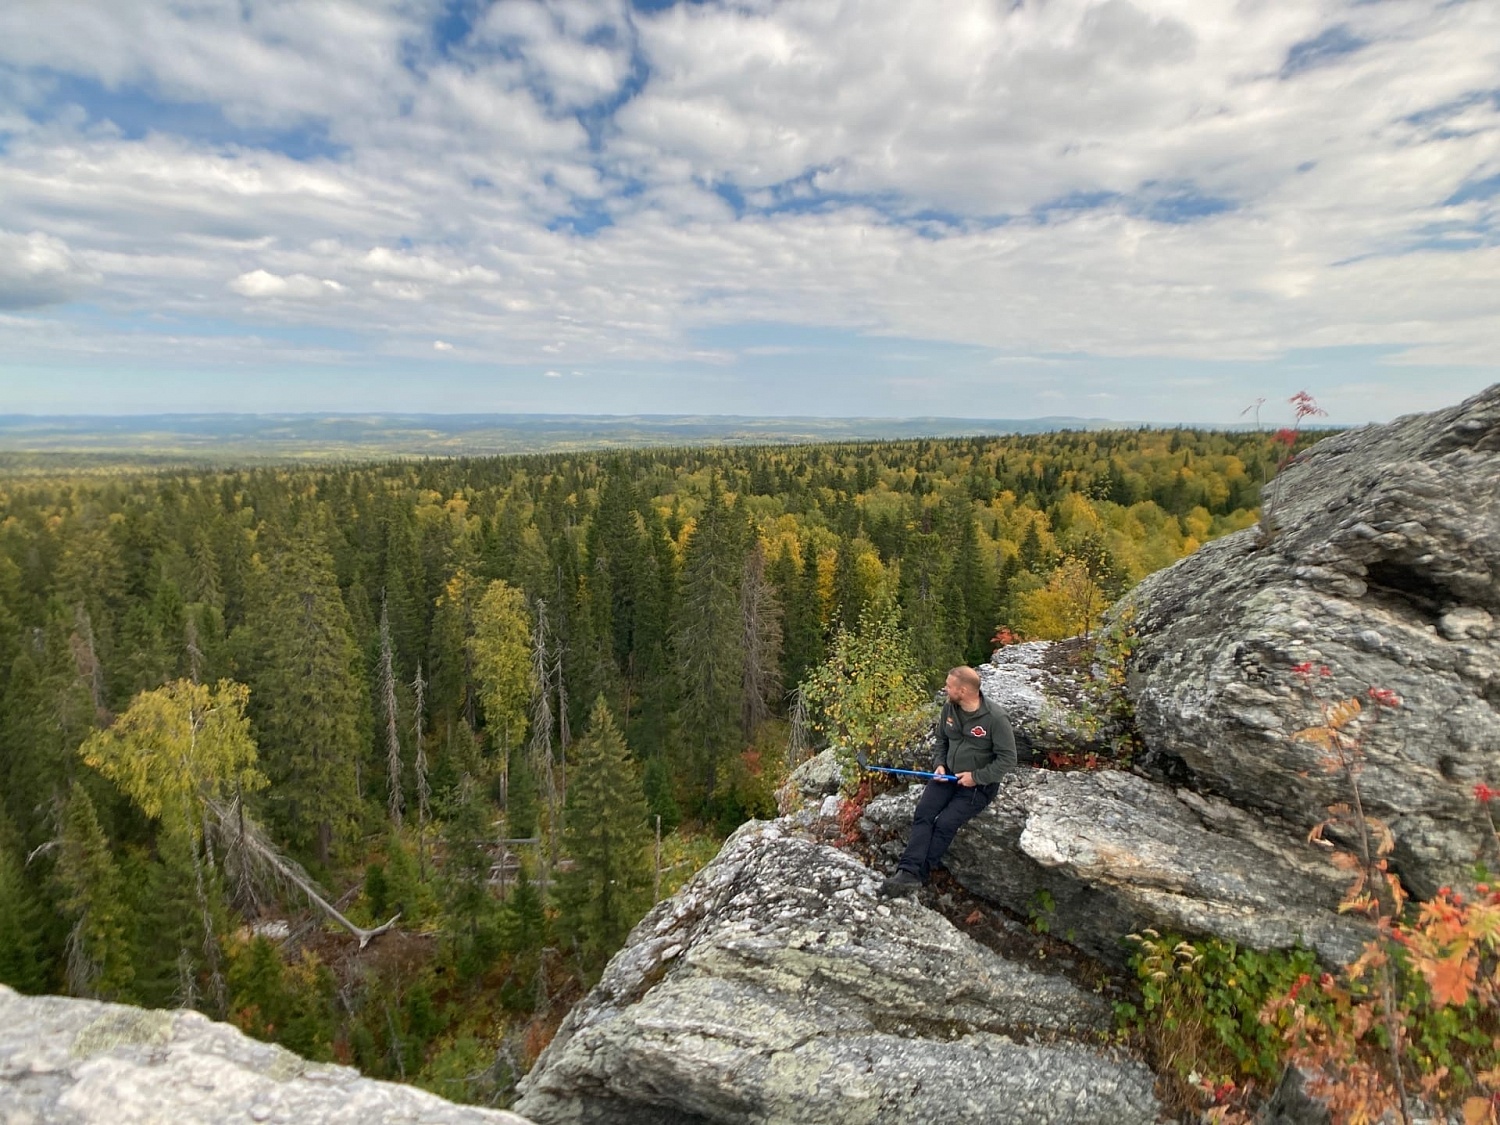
pixel 546 675
pixel 760 636
pixel 394 800
pixel 424 791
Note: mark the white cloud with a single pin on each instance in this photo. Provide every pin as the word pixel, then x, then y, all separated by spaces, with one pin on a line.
pixel 260 284
pixel 1111 178
pixel 441 346
pixel 38 269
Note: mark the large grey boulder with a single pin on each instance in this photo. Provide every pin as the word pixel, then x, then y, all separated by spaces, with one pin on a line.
pixel 776 987
pixel 815 779
pixel 1383 565
pixel 1103 854
pixel 79 1062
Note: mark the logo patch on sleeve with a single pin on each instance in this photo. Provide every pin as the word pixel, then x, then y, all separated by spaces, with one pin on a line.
pixel 977 732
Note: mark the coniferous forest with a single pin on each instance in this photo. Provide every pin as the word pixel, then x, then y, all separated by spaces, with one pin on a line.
pixel 382 762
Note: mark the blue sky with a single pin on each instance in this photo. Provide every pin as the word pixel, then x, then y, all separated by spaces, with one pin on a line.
pixel 1159 210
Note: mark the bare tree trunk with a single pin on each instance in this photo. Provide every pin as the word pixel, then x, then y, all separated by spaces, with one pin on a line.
pixel 540 750
pixel 195 654
pixel 760 636
pixel 388 700
pixel 252 843
pixel 799 741
pixel 210 939
pixel 424 792
pixel 86 657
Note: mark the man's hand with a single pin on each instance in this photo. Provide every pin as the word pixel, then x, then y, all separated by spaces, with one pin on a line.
pixel 940 770
pixel 966 780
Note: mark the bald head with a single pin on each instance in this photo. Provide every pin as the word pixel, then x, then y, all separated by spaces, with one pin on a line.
pixel 962 687
pixel 965 675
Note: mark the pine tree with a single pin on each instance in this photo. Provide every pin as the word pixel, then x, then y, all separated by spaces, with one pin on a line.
pixel 1033 557
pixel 606 835
pixel 258 995
pixel 452 690
pixel 614 552
pixel 523 924
pixel 848 593
pixel 649 730
pixel 47 711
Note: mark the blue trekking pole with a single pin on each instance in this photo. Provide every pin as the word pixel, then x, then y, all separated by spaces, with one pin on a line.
pixel 865 765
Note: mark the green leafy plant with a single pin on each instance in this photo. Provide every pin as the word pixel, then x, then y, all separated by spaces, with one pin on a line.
pixel 1200 1008
pixel 1041 911
pixel 867 696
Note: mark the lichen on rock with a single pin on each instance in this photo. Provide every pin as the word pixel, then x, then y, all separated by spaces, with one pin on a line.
pixel 777 988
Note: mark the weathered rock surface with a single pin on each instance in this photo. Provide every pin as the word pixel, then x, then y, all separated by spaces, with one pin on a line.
pixel 78 1062
pixel 1384 566
pixel 809 783
pixel 775 987
pixel 1104 854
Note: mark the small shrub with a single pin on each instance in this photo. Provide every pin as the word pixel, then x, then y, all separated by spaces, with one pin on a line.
pixel 1201 1004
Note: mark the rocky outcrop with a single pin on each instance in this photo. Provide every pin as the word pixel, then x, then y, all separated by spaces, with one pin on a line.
pixel 776 987
pixel 1383 564
pixel 78 1062
pixel 1103 854
pixel 811 783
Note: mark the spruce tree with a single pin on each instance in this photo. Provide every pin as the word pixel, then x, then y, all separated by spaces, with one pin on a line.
pixel 606 835
pixel 468 909
pixel 309 701
pixel 23 956
pixel 649 729
pixel 970 576
pixel 404 890
pixel 708 643
pixel 803 646
pixel 168 943
pixel 925 608
pixel 93 900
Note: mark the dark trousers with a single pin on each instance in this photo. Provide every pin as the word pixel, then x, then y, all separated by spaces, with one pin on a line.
pixel 944 808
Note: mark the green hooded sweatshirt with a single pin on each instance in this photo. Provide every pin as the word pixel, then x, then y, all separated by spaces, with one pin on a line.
pixel 978 742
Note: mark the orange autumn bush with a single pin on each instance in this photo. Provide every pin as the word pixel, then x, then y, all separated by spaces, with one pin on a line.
pixel 1419 1010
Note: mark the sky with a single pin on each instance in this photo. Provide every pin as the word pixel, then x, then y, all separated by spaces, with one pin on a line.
pixel 1146 210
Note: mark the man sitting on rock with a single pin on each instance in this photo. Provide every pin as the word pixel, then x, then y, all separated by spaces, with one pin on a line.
pixel 974 744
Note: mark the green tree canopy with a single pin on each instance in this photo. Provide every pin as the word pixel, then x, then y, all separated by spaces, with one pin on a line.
pixel 176 746
pixel 606 835
pixel 501 651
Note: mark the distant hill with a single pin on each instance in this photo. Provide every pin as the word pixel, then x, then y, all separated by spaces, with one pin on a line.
pixel 220 438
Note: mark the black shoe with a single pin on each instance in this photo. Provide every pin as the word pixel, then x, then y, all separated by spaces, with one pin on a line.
pixel 899 885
